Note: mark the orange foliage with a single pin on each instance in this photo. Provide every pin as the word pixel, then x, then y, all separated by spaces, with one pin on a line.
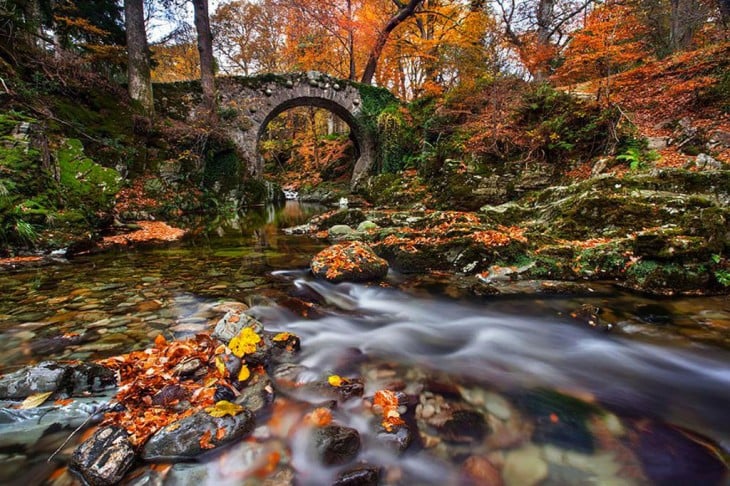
pixel 611 40
pixel 151 384
pixel 150 231
pixel 387 402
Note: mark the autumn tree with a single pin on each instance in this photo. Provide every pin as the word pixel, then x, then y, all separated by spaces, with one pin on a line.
pixel 249 36
pixel 138 66
pixel 612 40
pixel 539 30
pixel 445 43
pixel 405 11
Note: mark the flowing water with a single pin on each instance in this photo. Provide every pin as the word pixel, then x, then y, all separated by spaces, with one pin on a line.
pixel 563 403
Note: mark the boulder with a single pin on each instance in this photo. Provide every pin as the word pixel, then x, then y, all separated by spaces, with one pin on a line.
pixel 182 439
pixel 360 476
pixel 231 324
pixel 336 444
pixel 351 262
pixel 105 457
pixel 50 376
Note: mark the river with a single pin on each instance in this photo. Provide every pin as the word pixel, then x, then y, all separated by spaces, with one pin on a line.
pixel 654 392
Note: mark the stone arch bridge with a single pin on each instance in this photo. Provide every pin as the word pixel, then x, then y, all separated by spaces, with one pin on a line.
pixel 247 105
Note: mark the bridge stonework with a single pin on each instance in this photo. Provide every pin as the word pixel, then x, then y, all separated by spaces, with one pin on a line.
pixel 248 104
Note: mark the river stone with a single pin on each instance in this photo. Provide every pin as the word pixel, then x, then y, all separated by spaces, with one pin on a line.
pixel 464 426
pixel 181 439
pixel 336 444
pixel 258 397
pixel 231 324
pixel 399 439
pixel 41 378
pixel 105 457
pixel 339 231
pixel 479 470
pixel 366 225
pixel 524 467
pixel 359 476
pixel 349 262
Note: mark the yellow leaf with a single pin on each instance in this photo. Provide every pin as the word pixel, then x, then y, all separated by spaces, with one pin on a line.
pixel 244 374
pixel 335 380
pixel 220 366
pixel 282 336
pixel 34 401
pixel 223 408
pixel 245 343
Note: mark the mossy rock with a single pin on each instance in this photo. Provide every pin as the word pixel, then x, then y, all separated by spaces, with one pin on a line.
pixel 663 278
pixel 667 245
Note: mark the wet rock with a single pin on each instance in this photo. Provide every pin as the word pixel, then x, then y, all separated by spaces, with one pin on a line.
pixel 90 377
pixel 105 457
pixel 231 324
pixel 50 376
pixel 352 262
pixel 464 426
pixel 399 439
pixel 524 467
pixel 336 444
pixel 359 476
pixel 478 470
pixel 25 427
pixel 181 440
pixel 258 397
pixel 284 350
pixel 653 314
pixel 589 314
pixel 560 420
pixel 41 378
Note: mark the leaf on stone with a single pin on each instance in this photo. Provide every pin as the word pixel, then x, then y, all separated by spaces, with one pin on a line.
pixel 223 408
pixel 245 343
pixel 244 374
pixel 205 440
pixel 220 366
pixel 335 380
pixel 35 400
pixel 282 336
pixel 387 401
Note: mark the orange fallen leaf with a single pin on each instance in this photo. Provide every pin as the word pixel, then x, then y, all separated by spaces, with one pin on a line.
pixel 320 417
pixel 205 441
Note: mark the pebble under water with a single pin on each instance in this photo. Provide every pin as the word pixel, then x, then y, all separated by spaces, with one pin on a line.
pixel 496 390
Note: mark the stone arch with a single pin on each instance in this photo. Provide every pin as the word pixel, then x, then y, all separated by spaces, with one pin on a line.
pixel 257 101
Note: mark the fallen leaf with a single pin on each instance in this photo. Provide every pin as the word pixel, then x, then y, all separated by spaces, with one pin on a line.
pixel 205 441
pixel 244 374
pixel 35 400
pixel 223 408
pixel 245 343
pixel 335 380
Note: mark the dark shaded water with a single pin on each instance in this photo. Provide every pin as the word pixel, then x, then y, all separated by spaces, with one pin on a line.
pixel 665 364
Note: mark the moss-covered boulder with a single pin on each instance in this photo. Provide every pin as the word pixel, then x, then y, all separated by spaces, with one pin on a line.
pixel 349 262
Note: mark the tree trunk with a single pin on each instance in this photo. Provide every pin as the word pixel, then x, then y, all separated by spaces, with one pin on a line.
pixel 545 12
pixel 404 12
pixel 205 49
pixel 351 41
pixel 140 81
